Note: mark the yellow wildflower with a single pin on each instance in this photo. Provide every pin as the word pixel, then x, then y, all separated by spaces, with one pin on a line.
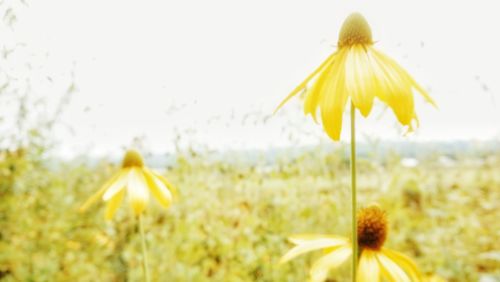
pixel 137 180
pixel 358 71
pixel 375 261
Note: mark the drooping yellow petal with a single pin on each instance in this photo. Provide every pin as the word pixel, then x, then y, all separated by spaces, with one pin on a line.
pixel 137 188
pixel 391 270
pixel 304 83
pixel 313 95
pixel 306 243
pixel 114 204
pixel 172 188
pixel 380 81
pixel 411 127
pixel 409 79
pixel 359 80
pixel 333 98
pixel 399 95
pixel 368 268
pixel 117 185
pixel 305 238
pixel 320 268
pixel 158 189
pixel 97 196
pixel 404 262
pixel 420 89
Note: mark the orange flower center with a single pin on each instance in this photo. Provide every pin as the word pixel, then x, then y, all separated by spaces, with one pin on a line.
pixel 132 159
pixel 355 30
pixel 372 228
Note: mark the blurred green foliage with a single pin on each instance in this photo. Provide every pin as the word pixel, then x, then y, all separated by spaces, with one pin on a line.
pixel 233 216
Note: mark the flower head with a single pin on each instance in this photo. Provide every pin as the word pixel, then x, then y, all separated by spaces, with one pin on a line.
pixel 374 261
pixel 355 30
pixel 359 72
pixel 138 181
pixel 372 228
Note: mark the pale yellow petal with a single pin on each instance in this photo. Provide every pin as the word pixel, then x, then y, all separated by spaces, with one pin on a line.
pixel 421 90
pixel 95 197
pixel 399 90
pixel 320 268
pixel 390 270
pixel 313 95
pixel 334 98
pixel 305 238
pixel 114 204
pixel 409 79
pixel 305 245
pixel 137 188
pixel 400 99
pixel 301 86
pixel 172 188
pixel 380 81
pixel 399 96
pixel 406 263
pixel 117 185
pixel 158 189
pixel 359 79
pixel 368 268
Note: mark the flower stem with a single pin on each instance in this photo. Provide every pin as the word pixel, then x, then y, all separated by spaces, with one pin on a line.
pixel 145 267
pixel 353 195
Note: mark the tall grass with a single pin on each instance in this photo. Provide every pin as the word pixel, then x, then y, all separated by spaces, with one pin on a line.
pixel 232 218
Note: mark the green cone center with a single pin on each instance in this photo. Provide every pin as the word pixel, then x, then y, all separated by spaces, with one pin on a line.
pixel 355 30
pixel 132 159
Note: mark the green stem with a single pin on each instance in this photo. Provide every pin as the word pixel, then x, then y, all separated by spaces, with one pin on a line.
pixel 145 267
pixel 353 195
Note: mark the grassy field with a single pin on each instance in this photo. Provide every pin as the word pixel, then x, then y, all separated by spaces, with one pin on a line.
pixel 232 218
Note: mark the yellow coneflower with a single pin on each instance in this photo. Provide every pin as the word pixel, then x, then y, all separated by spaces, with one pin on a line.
pixel 135 179
pixel 358 71
pixel 375 261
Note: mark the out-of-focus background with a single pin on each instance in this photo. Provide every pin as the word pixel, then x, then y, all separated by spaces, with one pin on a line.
pixel 193 85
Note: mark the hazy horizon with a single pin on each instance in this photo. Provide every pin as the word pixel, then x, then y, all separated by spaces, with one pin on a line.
pixel 168 71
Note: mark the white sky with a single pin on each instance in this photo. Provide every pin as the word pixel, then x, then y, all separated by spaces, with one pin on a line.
pixel 148 68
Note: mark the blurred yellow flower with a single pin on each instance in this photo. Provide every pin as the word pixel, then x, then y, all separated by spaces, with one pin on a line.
pixel 358 71
pixel 138 181
pixel 375 261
